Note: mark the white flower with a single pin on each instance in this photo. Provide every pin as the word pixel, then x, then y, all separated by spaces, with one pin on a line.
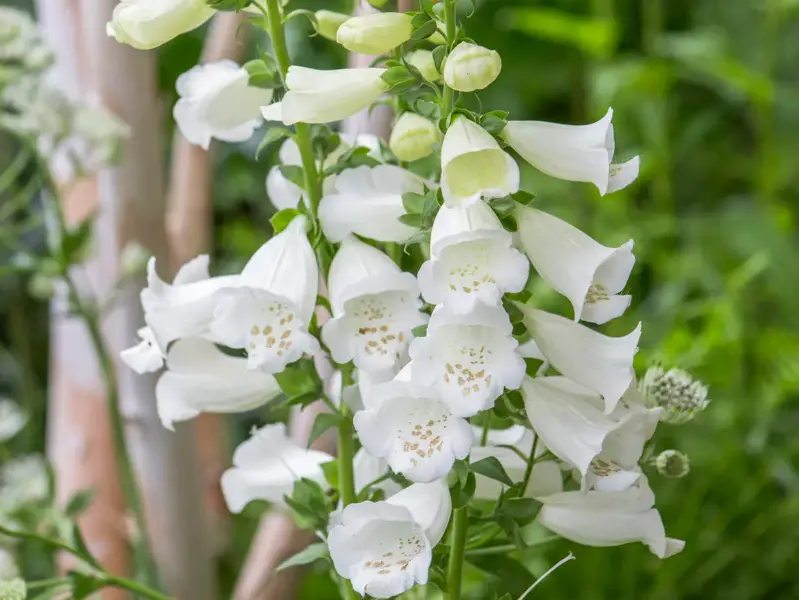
pixel 12 419
pixel 470 67
pixel 367 469
pixel 385 548
pixel 200 378
pixel 368 201
pixel 375 33
pixel 589 274
pixel 601 363
pixel 266 466
pixel 609 519
pixel 271 321
pixel 146 24
pixel 325 96
pixel 572 152
pixel 375 307
pixel 473 166
pixel 469 358
pixel 146 356
pixel 472 259
pixel 216 101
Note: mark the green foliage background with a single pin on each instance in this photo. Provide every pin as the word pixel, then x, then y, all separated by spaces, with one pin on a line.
pixel 707 92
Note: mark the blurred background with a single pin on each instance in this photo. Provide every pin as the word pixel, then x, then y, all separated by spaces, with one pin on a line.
pixel 707 92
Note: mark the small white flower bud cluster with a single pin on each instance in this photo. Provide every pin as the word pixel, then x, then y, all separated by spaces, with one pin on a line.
pixel 673 463
pixel 680 395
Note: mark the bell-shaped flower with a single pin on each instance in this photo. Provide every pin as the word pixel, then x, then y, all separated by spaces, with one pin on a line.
pixel 473 166
pixel 266 466
pixel 469 358
pixel 424 62
pixel 146 356
pixel 589 274
pixel 413 137
pixel 385 548
pixel 146 24
pixel 368 201
pixel 375 33
pixel 325 96
pixel 470 67
pixel 375 308
pixel 572 152
pixel 601 363
pixel 200 378
pixel 472 259
pixel 271 320
pixel 412 429
pixel 216 101
pixel 609 519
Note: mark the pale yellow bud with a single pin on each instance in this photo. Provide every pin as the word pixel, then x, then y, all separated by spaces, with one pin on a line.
pixel 440 36
pixel 375 34
pixel 470 67
pixel 413 137
pixel 146 24
pixel 329 22
pixel 423 60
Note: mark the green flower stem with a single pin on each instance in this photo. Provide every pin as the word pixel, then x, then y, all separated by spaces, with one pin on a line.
pixel 451 27
pixel 528 471
pixel 460 527
pixel 346 471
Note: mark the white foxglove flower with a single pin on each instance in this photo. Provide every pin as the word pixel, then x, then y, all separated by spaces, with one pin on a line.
pixel 470 67
pixel 469 358
pixel 601 363
pixel 572 152
pixel 266 466
pixel 375 308
pixel 146 356
pixel 589 274
pixel 609 519
pixel 200 378
pixel 375 33
pixel 146 24
pixel 324 96
pixel 368 201
pixel 385 548
pixel 12 419
pixel 472 259
pixel 217 102
pixel 271 321
pixel 473 166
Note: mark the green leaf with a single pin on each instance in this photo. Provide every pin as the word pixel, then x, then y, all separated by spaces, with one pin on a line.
pixel 84 585
pixel 493 124
pixel 521 510
pixel 323 422
pixel 77 542
pixel 513 576
pixel 420 19
pixel 491 467
pixel 299 378
pixel 439 54
pixel 461 470
pixel 420 237
pixel 75 243
pixel 262 75
pixel 412 220
pixel 419 331
pixel 462 494
pixel 79 502
pixel 273 134
pixel 414 203
pixel 523 197
pixel 303 400
pixel 301 12
pixel 503 207
pixel 281 219
pixel 294 174
pixel 309 505
pixel 307 556
pixel 330 469
pixel 424 31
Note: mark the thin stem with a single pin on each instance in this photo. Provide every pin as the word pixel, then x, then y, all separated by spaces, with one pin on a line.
pixel 135 587
pixel 528 471
pixel 486 429
pixel 557 565
pixel 505 548
pixel 346 473
pixel 45 583
pixel 451 28
pixel 460 527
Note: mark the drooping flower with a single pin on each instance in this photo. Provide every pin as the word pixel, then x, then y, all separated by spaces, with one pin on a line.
pixel 573 152
pixel 368 201
pixel 473 166
pixel 271 320
pixel 413 137
pixel 266 466
pixel 679 395
pixel 375 307
pixel 324 96
pixel 469 358
pixel 470 67
pixel 200 378
pixel 385 548
pixel 146 24
pixel 598 362
pixel 589 274
pixel 146 356
pixel 216 101
pixel 375 33
pixel 472 259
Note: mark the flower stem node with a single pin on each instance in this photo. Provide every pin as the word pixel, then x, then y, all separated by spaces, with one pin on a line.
pixel 680 395
pixel 329 23
pixel 471 67
pixel 376 33
pixel 413 137
pixel 673 463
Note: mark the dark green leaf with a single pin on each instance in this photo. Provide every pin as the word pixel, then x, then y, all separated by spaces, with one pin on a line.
pixel 79 502
pixel 439 54
pixel 274 133
pixel 461 470
pixel 491 467
pixel 522 510
pixel 322 423
pixel 294 174
pixel 502 206
pixel 523 197
pixel 419 331
pixel 84 585
pixel 303 400
pixel 395 75
pixel 330 469
pixel 262 75
pixel 462 494
pixel 299 378
pixel 512 575
pixel 75 243
pixel 420 19
pixel 310 554
pixel 492 124
pixel 424 31
pixel 281 219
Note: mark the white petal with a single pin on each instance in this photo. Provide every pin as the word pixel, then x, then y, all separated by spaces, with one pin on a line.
pixel 193 271
pixel 637 425
pixel 203 379
pixel 282 192
pixel 146 356
pixel 598 362
pixel 530 349
pixel 267 465
pixel 623 174
pixel 289 153
pixel 605 309
pixel 430 506
pixel 146 24
pixel 454 225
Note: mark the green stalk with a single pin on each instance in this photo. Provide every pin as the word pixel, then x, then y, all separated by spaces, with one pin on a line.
pixel 528 471
pixel 460 527
pixel 451 28
pixel 346 473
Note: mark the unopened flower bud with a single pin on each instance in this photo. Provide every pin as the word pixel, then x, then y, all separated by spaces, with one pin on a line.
pixel 471 67
pixel 423 61
pixel 133 259
pixel 679 394
pixel 13 589
pixel 440 36
pixel 413 137
pixel 329 22
pixel 673 463
pixel 41 286
pixel 375 34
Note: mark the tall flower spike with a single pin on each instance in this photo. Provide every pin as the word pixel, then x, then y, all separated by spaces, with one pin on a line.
pixel 146 24
pixel 216 101
pixel 266 466
pixel 271 320
pixel 589 274
pixel 473 166
pixel 679 395
pixel 469 358
pixel 200 378
pixel 325 96
pixel 598 362
pixel 368 201
pixel 573 152
pixel 375 307
pixel 473 259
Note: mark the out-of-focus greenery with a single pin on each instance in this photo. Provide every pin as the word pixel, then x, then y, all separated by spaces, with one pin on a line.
pixel 707 92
